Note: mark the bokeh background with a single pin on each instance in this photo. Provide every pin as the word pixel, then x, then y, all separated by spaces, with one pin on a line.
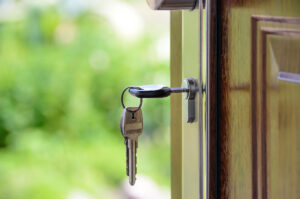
pixel 63 66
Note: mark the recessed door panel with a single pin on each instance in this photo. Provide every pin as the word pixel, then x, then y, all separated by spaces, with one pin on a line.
pixel 281 113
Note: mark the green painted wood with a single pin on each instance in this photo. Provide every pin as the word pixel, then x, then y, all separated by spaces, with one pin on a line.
pixel 190 132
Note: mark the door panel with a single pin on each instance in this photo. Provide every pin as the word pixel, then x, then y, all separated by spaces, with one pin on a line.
pixel 254 62
pixel 249 140
pixel 277 68
pixel 280 112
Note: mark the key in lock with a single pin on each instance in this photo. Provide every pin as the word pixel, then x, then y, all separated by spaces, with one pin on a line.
pixel 189 90
pixel 131 123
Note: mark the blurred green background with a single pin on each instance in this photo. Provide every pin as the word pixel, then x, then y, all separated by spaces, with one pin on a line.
pixel 63 66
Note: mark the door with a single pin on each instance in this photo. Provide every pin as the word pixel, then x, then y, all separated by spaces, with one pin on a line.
pixel 255 98
pixel 246 57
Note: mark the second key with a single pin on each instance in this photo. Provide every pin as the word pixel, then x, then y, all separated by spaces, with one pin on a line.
pixel 132 127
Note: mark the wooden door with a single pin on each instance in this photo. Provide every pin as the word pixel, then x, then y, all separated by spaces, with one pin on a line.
pixel 254 82
pixel 245 143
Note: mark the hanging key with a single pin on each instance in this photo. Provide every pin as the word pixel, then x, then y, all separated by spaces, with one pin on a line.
pixel 131 128
pixel 131 123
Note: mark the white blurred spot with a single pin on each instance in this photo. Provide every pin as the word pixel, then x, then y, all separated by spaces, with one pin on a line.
pixel 123 17
pixel 11 11
pixel 99 60
pixel 65 33
pixel 162 47
pixel 161 78
pixel 79 194
pixel 144 188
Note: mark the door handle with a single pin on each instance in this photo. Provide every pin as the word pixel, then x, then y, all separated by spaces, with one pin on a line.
pixel 172 4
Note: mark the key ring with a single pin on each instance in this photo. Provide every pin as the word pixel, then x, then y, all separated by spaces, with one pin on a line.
pixel 122 99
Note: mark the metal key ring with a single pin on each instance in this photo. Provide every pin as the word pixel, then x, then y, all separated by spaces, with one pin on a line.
pixel 122 101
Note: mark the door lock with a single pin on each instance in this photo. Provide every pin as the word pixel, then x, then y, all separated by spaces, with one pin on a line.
pixel 131 123
pixel 189 89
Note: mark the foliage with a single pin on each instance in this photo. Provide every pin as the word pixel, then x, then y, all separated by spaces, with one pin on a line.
pixel 60 85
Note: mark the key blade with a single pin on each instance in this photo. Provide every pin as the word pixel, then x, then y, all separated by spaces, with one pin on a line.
pixel 127 158
pixel 132 161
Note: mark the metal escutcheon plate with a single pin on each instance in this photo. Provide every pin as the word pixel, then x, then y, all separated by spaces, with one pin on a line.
pixel 189 101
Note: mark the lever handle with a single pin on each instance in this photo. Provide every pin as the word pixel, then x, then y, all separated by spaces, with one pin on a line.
pixel 154 91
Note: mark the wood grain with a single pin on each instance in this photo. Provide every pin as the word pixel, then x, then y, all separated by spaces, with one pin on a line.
pixel 259 100
pixel 176 105
pixel 242 104
pixel 211 92
pixel 266 122
pixel 190 132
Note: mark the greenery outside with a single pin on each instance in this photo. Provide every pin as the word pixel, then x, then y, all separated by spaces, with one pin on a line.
pixel 62 70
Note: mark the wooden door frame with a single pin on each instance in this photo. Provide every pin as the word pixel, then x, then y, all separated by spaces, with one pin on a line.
pixel 213 97
pixel 176 104
pixel 210 87
pixel 176 74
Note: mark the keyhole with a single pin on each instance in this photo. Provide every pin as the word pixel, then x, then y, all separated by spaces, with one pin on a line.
pixel 132 116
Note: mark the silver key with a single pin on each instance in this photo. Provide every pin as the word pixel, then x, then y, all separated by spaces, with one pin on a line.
pixel 126 145
pixel 131 128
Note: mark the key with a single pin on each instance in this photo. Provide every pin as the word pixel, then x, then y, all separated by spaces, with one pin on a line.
pixel 126 145
pixel 127 158
pixel 155 91
pixel 131 128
